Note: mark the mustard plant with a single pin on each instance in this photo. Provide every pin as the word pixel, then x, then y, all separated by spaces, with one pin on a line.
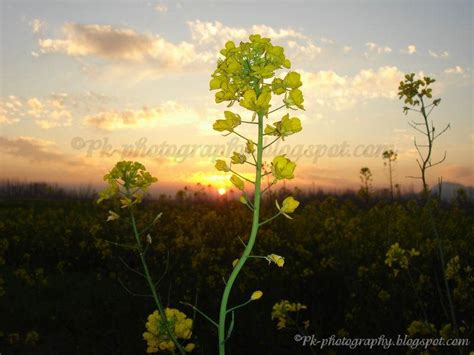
pixel 416 95
pixel 389 157
pixel 249 74
pixel 129 182
pixel 365 176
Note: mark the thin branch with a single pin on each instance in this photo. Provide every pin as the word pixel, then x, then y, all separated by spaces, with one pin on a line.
pixel 439 162
pixel 444 130
pixel 166 268
pixel 241 176
pixel 269 144
pixel 131 292
pixel 241 136
pixel 278 108
pixel 131 268
pixel 201 313
pixel 416 128
pixel 121 245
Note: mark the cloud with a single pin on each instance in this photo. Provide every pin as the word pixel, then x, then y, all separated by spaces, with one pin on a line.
pixel 168 113
pixel 161 8
pixel 37 25
pixel 307 51
pixel 458 173
pixel 443 54
pixel 152 55
pixel 9 110
pixel 215 32
pixel 213 35
pixel 34 150
pixel 347 49
pixel 340 92
pixel 46 113
pixel 122 45
pixel 411 49
pixel 454 70
pixel 375 48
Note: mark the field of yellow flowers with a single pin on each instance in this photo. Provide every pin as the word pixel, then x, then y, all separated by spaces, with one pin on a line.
pixel 352 268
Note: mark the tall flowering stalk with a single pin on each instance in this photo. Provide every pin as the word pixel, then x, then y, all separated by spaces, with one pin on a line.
pixel 129 181
pixel 247 74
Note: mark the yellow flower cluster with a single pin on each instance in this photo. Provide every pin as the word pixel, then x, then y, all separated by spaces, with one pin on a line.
pixel 282 312
pixel 156 336
pixel 419 328
pixel 250 63
pixel 128 180
pixel 399 258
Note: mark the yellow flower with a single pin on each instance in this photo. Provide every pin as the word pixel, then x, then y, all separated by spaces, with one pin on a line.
pixel 277 259
pixel 189 347
pixel 238 158
pixel 231 121
pixel 286 127
pixel 221 165
pixel 295 98
pixel 256 295
pixel 289 205
pixel 258 104
pixel 292 80
pixel 283 168
pixel 250 147
pixel 243 199
pixel 112 216
pixel 238 182
pixel 278 86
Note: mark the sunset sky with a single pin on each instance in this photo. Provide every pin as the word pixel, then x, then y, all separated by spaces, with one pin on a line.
pixel 84 84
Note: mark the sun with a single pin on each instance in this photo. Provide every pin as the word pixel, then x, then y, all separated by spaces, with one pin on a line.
pixel 221 191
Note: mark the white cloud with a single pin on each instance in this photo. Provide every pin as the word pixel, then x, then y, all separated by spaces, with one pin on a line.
pixel 168 113
pixel 375 48
pixel 308 51
pixel 215 32
pixel 161 8
pixel 443 54
pixel 121 44
pixel 211 36
pixel 411 49
pixel 37 25
pixel 153 55
pixel 347 49
pixel 454 70
pixel 339 92
pixel 46 113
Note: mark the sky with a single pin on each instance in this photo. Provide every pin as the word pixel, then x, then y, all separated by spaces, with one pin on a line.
pixel 84 84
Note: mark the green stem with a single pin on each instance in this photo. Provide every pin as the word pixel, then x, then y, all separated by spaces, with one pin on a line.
pixel 239 306
pixel 250 244
pixel 241 176
pixel 270 219
pixel 156 297
pixel 201 313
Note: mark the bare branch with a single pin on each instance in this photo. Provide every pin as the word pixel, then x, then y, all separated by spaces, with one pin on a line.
pixel 416 128
pixel 439 162
pixel 131 268
pixel 133 293
pixel 166 269
pixel 444 130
